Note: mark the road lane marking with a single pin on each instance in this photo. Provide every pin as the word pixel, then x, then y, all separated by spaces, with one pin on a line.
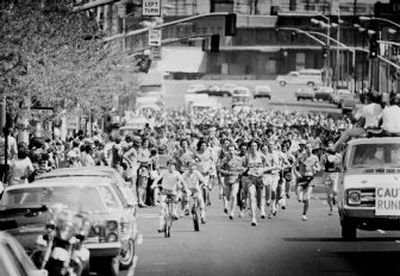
pixel 140 239
pixel 381 231
pixel 131 270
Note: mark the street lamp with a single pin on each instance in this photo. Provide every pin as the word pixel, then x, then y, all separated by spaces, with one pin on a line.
pixel 365 18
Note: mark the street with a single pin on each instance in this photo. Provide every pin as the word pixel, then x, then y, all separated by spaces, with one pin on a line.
pixel 283 245
pixel 281 97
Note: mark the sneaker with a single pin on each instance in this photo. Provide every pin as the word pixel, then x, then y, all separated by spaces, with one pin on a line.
pixel 283 207
pixel 226 210
pixel 160 230
pixel 187 212
pixel 175 217
pixel 230 217
pixel 270 215
pixel 303 217
pixel 287 195
pixel 253 222
pixel 263 216
pixel 203 220
pixel 330 213
pixel 334 201
pixel 274 213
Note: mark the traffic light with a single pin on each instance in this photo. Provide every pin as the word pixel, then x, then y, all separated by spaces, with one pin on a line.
pixel 214 43
pixel 325 52
pixel 373 46
pixel 230 24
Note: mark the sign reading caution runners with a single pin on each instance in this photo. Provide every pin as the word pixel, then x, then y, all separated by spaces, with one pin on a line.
pixel 387 199
pixel 154 37
pixel 151 8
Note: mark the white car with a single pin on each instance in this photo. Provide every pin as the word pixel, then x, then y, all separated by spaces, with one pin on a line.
pixel 242 91
pixel 339 95
pixel 310 77
pixel 193 88
pixel 262 91
pixel 229 87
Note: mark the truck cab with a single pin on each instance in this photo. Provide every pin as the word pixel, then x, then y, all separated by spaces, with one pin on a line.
pixel 369 186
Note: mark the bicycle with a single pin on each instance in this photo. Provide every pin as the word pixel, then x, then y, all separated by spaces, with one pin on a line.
pixel 195 210
pixel 168 214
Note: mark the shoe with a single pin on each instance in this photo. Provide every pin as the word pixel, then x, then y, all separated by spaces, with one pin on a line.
pixel 254 223
pixel 330 213
pixel 142 205
pixel 226 210
pixel 203 220
pixel 263 215
pixel 334 201
pixel 283 207
pixel 274 213
pixel 268 203
pixel 187 212
pixel 270 215
pixel 175 217
pixel 303 217
pixel 287 195
pixel 230 217
pixel 160 230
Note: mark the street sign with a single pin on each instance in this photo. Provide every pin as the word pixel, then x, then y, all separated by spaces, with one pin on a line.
pixel 151 8
pixel 155 37
pixel 387 199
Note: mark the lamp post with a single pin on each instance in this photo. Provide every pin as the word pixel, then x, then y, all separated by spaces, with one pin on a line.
pixel 390 22
pixel 328 33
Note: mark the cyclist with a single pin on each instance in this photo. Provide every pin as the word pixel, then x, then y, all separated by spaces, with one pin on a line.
pixel 204 159
pixel 194 180
pixel 330 161
pixel 304 168
pixel 231 167
pixel 171 184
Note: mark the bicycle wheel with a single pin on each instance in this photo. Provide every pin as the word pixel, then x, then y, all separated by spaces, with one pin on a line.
pixel 196 218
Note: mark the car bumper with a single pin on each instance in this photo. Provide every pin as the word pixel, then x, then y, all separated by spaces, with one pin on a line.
pixel 108 249
pixel 366 219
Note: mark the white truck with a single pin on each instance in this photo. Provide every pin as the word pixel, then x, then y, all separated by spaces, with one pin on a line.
pixel 310 77
pixel 369 186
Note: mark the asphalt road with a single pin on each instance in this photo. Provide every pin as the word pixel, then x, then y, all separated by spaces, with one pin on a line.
pixel 283 245
pixel 282 98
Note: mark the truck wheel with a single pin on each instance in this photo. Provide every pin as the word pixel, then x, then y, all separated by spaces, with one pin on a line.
pixel 107 266
pixel 349 231
pixel 282 83
pixel 126 258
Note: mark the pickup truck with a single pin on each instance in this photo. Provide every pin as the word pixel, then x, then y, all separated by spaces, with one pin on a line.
pixel 368 186
pixel 310 77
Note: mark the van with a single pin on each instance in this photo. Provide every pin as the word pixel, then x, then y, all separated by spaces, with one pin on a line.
pixel 310 77
pixel 369 186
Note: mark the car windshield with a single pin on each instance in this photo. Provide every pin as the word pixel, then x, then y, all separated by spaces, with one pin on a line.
pixel 77 198
pixel 367 155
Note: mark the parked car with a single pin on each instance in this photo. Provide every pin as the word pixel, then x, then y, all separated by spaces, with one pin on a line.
pixel 229 87
pixel 114 229
pixel 368 186
pixel 338 96
pixel 121 188
pixel 305 93
pixel 193 88
pixel 214 90
pixel 262 91
pixel 13 259
pixel 348 103
pixel 310 77
pixel 323 93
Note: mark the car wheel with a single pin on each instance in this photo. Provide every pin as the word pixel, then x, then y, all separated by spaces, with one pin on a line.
pixel 126 258
pixel 282 83
pixel 310 83
pixel 349 231
pixel 107 266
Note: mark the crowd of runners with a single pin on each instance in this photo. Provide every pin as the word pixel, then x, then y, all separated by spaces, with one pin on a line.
pixel 255 158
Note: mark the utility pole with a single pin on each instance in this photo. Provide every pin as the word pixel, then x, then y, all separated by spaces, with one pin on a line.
pixel 338 51
pixel 355 45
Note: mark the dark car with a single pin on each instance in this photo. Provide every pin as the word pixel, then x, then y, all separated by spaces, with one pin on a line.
pixel 23 215
pixel 214 90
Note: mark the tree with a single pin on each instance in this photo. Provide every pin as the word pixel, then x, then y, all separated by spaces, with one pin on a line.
pixel 50 56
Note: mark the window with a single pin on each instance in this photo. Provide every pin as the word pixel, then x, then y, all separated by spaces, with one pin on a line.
pixel 376 154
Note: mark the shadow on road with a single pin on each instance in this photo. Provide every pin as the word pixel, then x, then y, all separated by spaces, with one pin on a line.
pixel 321 239
pixel 373 263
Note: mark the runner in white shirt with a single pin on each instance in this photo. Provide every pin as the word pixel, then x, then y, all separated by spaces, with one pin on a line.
pixel 391 117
